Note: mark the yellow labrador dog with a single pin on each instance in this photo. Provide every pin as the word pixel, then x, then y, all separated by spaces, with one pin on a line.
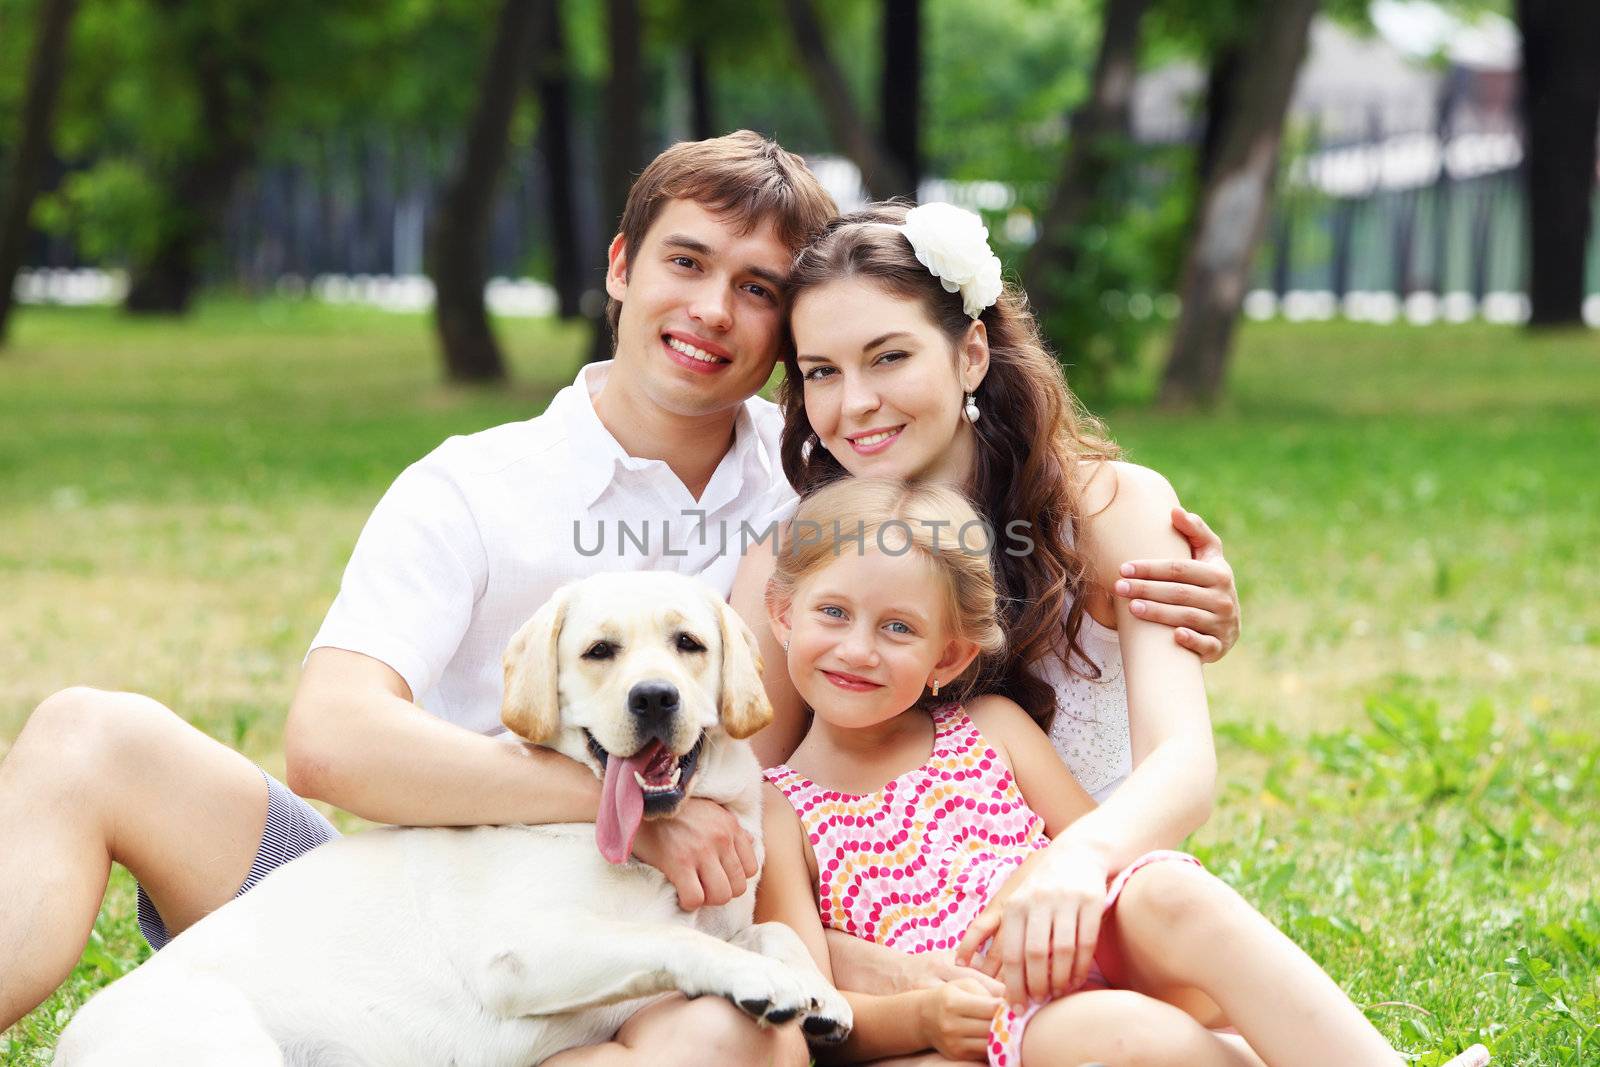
pixel 500 946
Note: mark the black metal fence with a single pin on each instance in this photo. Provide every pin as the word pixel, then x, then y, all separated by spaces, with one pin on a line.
pixel 1434 208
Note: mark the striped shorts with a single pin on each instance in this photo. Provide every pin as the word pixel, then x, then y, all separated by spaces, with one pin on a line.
pixel 293 828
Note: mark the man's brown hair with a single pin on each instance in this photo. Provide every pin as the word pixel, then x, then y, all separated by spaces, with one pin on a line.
pixel 742 177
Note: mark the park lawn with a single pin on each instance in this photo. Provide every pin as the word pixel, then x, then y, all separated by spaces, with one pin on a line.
pixel 1410 770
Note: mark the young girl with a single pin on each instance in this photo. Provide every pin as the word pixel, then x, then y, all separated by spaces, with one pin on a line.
pixel 907 817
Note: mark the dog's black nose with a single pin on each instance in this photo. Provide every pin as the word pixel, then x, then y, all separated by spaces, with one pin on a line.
pixel 653 704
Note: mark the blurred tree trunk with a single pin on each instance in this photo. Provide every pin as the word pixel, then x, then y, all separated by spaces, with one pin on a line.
pixel 458 238
pixel 1561 107
pixel 553 86
pixel 900 95
pixel 1222 89
pixel 233 87
pixel 1099 128
pixel 622 142
pixel 1234 202
pixel 879 172
pixel 32 149
pixel 624 103
pixel 702 112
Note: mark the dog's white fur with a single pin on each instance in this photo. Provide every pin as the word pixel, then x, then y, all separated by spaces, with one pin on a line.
pixel 491 945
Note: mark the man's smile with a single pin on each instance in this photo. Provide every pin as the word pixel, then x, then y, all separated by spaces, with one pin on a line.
pixel 695 353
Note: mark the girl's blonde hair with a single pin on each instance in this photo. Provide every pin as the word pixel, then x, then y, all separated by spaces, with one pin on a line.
pixel 894 517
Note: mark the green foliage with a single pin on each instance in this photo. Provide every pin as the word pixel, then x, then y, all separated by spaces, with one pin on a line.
pixel 1448 830
pixel 16 46
pixel 1565 999
pixel 1099 313
pixel 113 210
pixel 1008 121
pixel 1003 119
pixel 757 79
pixel 401 65
pixel 131 115
pixel 729 31
pixel 1198 28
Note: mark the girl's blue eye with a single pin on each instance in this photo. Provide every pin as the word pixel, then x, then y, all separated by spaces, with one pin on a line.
pixel 830 611
pixel 903 628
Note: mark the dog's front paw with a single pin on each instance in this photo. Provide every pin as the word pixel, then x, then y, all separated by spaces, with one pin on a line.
pixel 762 988
pixel 826 1030
pixel 830 1020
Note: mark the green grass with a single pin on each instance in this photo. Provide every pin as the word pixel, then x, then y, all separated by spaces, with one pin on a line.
pixel 1409 758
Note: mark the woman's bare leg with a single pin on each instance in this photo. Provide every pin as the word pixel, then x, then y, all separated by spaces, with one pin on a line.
pixel 96 778
pixel 1177 927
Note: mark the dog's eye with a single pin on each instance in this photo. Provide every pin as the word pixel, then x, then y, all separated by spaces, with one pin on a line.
pixel 600 650
pixel 688 643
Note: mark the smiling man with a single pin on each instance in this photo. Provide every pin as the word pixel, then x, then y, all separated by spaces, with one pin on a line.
pixel 698 313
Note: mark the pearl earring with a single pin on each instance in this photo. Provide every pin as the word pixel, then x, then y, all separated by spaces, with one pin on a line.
pixel 971 410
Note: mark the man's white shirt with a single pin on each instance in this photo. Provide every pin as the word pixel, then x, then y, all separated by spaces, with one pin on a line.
pixel 472 538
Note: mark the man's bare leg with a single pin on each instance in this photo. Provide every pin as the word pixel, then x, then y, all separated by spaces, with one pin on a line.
pixel 706 1032
pixel 97 777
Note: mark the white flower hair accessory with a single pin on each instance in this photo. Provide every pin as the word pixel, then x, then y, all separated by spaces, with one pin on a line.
pixel 953 244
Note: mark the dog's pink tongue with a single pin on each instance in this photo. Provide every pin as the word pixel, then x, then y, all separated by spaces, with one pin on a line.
pixel 621 806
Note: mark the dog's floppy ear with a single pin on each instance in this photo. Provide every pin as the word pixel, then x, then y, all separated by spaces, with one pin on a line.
pixel 742 702
pixel 530 708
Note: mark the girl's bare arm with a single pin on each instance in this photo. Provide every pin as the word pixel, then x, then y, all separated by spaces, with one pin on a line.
pixel 884 1025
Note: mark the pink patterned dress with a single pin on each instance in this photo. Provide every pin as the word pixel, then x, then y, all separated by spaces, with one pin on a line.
pixel 911 865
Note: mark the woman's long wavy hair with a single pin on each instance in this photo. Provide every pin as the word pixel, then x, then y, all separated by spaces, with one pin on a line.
pixel 1032 441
